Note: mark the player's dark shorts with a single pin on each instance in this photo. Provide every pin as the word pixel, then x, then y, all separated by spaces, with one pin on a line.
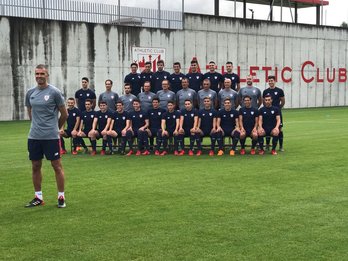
pixel 268 131
pixel 170 132
pixel 153 132
pixel 136 132
pixel 38 148
pixel 86 131
pixel 227 131
pixel 119 132
pixel 206 133
pixel 99 135
pixel 68 132
pixel 187 132
pixel 248 132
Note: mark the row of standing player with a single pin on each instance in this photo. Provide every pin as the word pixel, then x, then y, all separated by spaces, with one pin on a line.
pixel 137 80
pixel 162 124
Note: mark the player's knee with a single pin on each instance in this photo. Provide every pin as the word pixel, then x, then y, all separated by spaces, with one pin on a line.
pixel 275 132
pixel 36 165
pixel 261 133
pixel 57 166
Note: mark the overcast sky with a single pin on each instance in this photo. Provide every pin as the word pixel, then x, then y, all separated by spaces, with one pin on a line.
pixel 334 14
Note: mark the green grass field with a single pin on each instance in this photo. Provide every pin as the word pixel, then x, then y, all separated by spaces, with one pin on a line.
pixel 293 206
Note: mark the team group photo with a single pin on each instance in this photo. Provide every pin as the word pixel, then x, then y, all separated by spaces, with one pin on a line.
pixel 174 130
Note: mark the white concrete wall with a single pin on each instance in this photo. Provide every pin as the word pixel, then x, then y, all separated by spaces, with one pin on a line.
pixel 74 50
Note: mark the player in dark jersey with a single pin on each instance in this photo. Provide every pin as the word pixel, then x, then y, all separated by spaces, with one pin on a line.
pixel 84 93
pixel 134 79
pixel 188 122
pixel 248 121
pixel 138 123
pixel 118 126
pixel 278 100
pixel 206 126
pixel 195 77
pixel 176 77
pixel 231 75
pixel 100 127
pixel 269 122
pixel 159 76
pixel 146 75
pixel 170 129
pixel 155 119
pixel 86 124
pixel 73 123
pixel 227 125
pixel 215 78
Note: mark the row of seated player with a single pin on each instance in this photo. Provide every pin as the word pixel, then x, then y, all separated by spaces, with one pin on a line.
pixel 162 125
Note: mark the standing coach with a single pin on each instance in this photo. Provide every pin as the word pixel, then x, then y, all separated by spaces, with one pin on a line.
pixel 44 102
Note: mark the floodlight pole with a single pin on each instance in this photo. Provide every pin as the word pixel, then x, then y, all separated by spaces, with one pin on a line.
pixel 159 13
pixel 270 15
pixel 322 12
pixel 235 8
pixel 119 11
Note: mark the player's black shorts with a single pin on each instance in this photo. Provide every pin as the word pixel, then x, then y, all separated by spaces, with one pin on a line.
pixel 206 133
pixel 100 135
pixel 119 132
pixel 68 132
pixel 170 132
pixel 248 132
pixel 86 131
pixel 136 132
pixel 38 148
pixel 227 132
pixel 153 132
pixel 268 131
pixel 187 132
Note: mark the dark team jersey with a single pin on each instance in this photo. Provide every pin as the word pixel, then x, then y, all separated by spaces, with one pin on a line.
pixel 189 118
pixel 195 80
pixel 72 115
pixel 170 118
pixel 82 95
pixel 234 78
pixel 207 117
pixel 155 117
pixel 102 119
pixel 276 93
pixel 145 77
pixel 120 120
pixel 269 117
pixel 138 119
pixel 249 117
pixel 215 78
pixel 135 81
pixel 228 119
pixel 175 81
pixel 88 118
pixel 157 79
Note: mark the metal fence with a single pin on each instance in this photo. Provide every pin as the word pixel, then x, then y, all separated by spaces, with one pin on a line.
pixel 68 10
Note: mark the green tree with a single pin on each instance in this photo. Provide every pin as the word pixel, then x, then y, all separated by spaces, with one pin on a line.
pixel 344 24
